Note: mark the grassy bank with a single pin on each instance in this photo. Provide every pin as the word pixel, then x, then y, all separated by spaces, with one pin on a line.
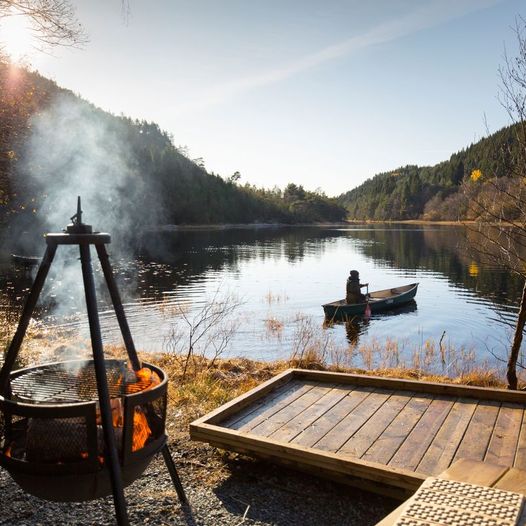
pixel 216 383
pixel 199 384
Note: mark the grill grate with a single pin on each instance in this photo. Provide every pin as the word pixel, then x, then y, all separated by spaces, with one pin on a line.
pixel 70 382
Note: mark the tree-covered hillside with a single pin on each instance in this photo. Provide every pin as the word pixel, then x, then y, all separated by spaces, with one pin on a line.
pixel 54 145
pixel 433 192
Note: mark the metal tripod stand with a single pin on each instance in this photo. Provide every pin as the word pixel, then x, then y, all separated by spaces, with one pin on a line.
pixel 82 235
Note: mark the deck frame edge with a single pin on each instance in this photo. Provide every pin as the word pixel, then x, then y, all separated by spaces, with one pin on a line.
pixel 331 461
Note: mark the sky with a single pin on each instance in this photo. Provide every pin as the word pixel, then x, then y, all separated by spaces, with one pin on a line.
pixel 322 94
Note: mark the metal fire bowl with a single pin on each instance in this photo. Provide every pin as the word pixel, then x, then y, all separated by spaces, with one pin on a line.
pixel 45 394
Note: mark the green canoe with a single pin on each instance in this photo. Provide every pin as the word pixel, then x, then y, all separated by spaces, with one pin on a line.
pixel 378 301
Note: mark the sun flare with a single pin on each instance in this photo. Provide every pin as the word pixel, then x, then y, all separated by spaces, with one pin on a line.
pixel 16 38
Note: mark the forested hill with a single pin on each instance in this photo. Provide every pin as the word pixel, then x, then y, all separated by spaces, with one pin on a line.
pixel 433 192
pixel 54 145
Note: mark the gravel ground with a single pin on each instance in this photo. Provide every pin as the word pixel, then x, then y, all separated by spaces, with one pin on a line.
pixel 223 489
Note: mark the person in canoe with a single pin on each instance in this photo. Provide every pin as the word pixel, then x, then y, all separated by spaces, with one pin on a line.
pixel 353 288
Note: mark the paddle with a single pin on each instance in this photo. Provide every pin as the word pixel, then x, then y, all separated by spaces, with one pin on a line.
pixel 367 312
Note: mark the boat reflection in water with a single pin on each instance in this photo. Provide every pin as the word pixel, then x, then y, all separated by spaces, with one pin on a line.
pixel 358 325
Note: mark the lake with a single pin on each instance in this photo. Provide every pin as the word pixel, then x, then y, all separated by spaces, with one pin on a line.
pixel 276 279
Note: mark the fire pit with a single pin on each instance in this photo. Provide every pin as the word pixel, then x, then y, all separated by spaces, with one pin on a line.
pixel 52 437
pixel 78 430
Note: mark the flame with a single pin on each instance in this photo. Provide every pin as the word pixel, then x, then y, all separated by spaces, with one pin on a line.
pixel 141 429
pixel 147 376
pixel 7 452
pixel 117 416
pixel 144 374
pixel 116 419
pixel 145 379
pixel 84 455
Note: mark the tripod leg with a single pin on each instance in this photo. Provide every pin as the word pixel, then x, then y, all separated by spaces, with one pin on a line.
pixel 117 305
pixel 102 388
pixel 132 354
pixel 170 464
pixel 29 307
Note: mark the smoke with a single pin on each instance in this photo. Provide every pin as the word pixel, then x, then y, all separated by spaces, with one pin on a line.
pixel 75 149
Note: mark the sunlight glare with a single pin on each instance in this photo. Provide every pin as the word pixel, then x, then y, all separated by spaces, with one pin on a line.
pixel 16 38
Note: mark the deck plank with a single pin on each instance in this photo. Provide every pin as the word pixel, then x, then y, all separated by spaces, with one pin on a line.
pixel 386 445
pixel 520 455
pixel 362 440
pixel 417 442
pixel 318 429
pixel 442 449
pixel 287 413
pixel 252 416
pixel 474 444
pixel 474 472
pixel 302 421
pixel 503 443
pixel 281 391
pixel 513 480
pixel 340 433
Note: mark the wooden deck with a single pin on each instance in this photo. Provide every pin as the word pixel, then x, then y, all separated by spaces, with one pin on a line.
pixel 384 434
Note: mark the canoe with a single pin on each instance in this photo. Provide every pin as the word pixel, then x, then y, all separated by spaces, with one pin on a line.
pixel 378 301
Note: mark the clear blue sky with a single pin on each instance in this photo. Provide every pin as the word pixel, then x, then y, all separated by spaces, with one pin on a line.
pixel 324 94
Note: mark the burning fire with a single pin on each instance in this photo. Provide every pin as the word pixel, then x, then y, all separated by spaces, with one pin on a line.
pixel 117 415
pixel 141 429
pixel 145 379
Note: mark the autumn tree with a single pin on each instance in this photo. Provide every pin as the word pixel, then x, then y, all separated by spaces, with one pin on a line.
pixel 497 200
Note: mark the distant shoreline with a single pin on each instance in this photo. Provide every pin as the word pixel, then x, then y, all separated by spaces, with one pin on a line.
pixel 258 226
pixel 412 222
pixel 238 226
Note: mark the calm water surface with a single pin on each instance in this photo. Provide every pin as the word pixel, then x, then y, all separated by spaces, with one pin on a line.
pixel 284 275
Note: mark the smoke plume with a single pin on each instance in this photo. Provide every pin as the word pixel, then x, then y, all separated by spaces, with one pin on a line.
pixel 76 149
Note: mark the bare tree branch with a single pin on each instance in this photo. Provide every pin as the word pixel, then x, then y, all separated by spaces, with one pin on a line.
pixel 499 203
pixel 53 22
pixel 204 333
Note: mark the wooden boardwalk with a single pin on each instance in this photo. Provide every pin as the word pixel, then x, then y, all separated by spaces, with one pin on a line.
pixel 390 434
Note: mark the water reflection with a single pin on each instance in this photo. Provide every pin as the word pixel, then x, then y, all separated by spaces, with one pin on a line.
pixel 358 325
pixel 465 295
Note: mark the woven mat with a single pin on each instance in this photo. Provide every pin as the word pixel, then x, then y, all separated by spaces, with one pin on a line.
pixel 450 503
